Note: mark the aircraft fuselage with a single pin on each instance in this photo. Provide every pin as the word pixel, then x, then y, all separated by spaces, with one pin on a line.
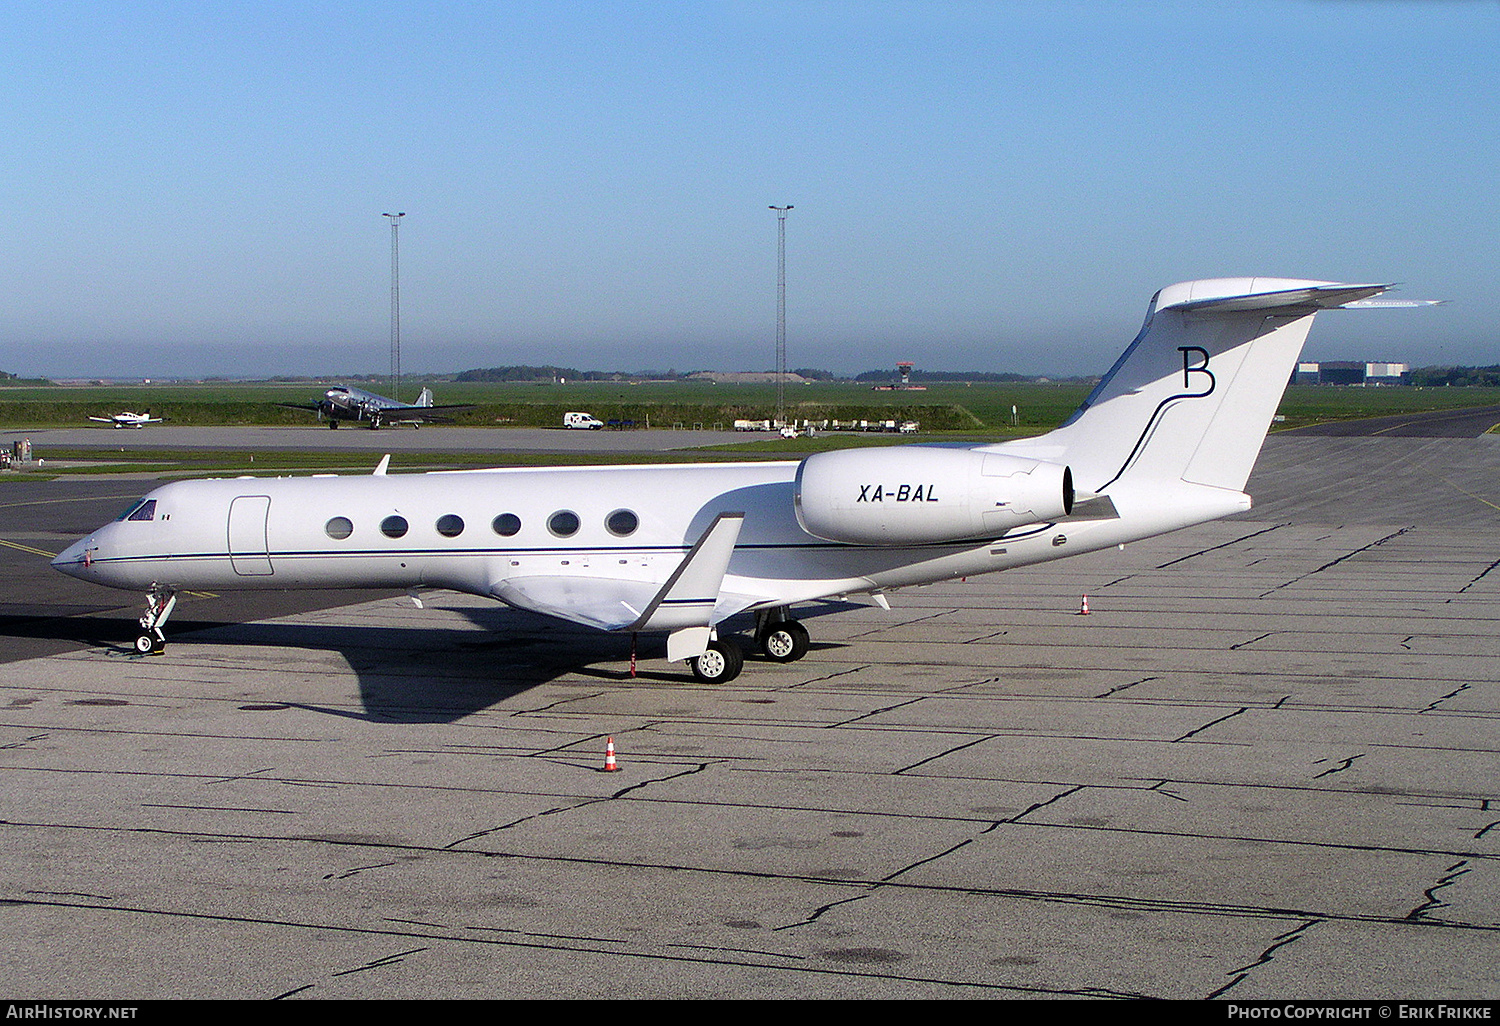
pixel 443 530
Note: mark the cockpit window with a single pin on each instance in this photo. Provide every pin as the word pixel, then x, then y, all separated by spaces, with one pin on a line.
pixel 143 510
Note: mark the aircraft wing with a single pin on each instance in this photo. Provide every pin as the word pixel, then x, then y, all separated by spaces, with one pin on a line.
pixel 692 596
pixel 416 414
pixel 103 420
pixel 602 602
pixel 421 412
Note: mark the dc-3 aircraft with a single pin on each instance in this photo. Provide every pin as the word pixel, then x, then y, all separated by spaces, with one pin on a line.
pixel 344 403
pixel 127 419
pixel 1166 440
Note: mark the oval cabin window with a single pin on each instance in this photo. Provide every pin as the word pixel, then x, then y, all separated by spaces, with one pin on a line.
pixel 563 523
pixel 622 522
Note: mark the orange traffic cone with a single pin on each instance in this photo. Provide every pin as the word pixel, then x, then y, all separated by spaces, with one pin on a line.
pixel 1083 610
pixel 610 765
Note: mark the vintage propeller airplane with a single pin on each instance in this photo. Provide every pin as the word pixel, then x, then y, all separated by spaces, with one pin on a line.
pixel 341 402
pixel 1166 440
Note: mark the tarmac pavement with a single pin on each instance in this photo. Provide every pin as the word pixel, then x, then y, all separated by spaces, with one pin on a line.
pixel 1263 767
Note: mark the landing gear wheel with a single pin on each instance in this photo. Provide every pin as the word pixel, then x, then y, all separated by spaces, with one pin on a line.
pixel 785 642
pixel 720 664
pixel 160 602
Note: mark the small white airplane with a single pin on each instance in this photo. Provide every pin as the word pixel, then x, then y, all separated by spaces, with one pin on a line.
pixel 1166 440
pixel 130 420
pixel 344 403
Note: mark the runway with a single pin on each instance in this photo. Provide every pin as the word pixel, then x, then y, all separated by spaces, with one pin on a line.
pixel 374 443
pixel 1263 767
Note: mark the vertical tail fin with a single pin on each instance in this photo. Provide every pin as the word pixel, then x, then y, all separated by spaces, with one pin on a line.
pixel 425 399
pixel 1192 397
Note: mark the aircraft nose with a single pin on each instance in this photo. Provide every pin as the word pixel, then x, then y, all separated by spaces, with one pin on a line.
pixel 71 560
pixel 75 559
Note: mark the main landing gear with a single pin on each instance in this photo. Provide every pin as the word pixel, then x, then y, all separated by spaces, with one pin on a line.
pixel 779 638
pixel 785 642
pixel 159 605
pixel 721 663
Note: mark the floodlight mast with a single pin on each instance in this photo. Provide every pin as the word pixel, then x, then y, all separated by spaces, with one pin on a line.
pixel 395 220
pixel 781 314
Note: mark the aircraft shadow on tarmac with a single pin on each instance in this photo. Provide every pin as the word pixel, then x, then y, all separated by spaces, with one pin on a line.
pixel 411 674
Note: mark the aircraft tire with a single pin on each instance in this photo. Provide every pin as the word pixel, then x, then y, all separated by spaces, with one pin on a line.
pixel 785 642
pixel 720 664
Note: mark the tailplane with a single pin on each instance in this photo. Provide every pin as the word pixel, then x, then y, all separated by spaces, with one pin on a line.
pixel 1192 397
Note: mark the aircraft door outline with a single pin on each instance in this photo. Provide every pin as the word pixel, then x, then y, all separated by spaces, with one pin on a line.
pixel 249 541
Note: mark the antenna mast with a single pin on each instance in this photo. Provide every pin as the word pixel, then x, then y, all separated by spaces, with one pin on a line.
pixel 395 220
pixel 781 314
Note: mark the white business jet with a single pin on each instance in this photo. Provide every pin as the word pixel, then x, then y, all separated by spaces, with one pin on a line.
pixel 129 420
pixel 1166 440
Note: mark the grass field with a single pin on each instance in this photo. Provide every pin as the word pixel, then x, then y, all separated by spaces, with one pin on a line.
pixel 980 410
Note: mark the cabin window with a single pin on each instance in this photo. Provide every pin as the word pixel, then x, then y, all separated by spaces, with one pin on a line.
pixel 143 510
pixel 450 525
pixel 563 523
pixel 506 524
pixel 339 527
pixel 393 526
pixel 622 522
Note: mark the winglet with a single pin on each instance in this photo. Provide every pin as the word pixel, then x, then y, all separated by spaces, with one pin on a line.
pixel 385 462
pixel 690 594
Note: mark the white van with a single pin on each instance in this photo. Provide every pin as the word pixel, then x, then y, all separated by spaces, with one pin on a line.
pixel 585 421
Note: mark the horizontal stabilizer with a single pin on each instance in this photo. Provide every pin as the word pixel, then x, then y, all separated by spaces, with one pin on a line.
pixel 1318 296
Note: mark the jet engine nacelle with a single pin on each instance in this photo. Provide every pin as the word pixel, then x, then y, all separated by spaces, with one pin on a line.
pixel 905 495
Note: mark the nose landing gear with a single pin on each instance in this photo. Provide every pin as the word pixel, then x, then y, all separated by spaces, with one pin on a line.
pixel 160 602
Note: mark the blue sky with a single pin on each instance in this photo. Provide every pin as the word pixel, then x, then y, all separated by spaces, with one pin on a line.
pixel 196 188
